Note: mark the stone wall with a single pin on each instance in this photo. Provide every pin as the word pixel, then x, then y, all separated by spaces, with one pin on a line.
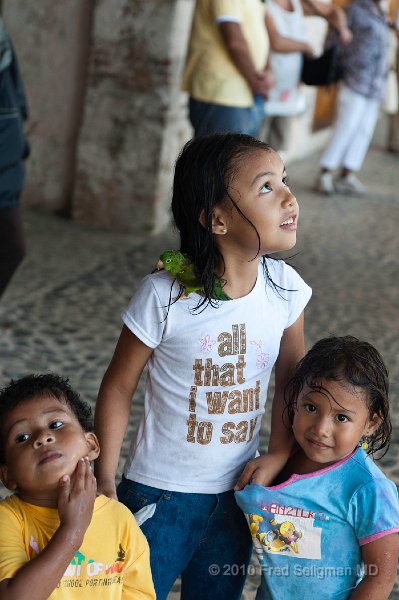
pixel 106 115
pixel 132 113
pixel 51 41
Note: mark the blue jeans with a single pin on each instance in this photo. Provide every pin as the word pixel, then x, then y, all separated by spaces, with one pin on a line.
pixel 202 537
pixel 207 118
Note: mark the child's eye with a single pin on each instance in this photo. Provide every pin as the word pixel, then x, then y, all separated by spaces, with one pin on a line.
pixel 342 418
pixel 310 408
pixel 56 424
pixel 22 437
pixel 265 189
pixel 286 181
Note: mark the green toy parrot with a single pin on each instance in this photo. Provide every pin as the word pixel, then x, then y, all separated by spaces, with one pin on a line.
pixel 181 267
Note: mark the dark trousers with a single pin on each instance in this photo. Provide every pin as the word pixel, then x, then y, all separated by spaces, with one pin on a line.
pixel 12 243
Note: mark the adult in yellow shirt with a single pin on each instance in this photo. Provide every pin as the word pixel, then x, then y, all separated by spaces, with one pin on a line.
pixel 227 74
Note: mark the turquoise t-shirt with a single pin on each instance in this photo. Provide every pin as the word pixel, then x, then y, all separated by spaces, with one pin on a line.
pixel 308 531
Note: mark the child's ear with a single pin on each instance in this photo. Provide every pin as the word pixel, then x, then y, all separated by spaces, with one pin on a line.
pixel 372 425
pixel 93 445
pixel 218 221
pixel 6 479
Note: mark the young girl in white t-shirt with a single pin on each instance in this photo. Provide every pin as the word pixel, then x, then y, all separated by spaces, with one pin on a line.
pixel 209 362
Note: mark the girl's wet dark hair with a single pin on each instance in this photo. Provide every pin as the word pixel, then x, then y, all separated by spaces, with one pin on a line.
pixel 31 386
pixel 203 173
pixel 352 361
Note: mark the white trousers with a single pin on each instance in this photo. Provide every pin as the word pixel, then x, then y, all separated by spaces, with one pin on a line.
pixel 355 121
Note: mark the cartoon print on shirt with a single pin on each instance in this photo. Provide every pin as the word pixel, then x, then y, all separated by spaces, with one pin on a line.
pixel 297 535
pixel 282 538
pixel 285 537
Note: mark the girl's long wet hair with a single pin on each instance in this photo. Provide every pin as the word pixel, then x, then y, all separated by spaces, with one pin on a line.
pixel 350 361
pixel 204 171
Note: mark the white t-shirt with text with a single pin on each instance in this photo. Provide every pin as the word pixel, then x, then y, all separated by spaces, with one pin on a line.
pixel 207 378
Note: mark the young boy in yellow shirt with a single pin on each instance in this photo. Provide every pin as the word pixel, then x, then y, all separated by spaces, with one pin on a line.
pixel 58 539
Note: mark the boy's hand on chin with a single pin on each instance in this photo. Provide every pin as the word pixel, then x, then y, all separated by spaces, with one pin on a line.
pixel 76 499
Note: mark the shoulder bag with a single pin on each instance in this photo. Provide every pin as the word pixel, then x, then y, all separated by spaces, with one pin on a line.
pixel 327 68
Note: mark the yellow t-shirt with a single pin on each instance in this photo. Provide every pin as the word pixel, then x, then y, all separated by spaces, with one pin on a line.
pixel 210 75
pixel 112 564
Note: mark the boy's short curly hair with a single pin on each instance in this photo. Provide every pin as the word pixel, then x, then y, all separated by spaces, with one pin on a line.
pixel 31 386
pixel 352 361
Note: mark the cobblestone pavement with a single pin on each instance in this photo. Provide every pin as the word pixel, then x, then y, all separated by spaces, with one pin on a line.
pixel 61 311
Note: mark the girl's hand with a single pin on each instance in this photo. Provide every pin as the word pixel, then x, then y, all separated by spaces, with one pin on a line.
pixel 261 470
pixel 107 487
pixel 76 500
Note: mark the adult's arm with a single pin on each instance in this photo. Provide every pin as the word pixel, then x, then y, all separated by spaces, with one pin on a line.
pixel 239 52
pixel 333 14
pixel 280 43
